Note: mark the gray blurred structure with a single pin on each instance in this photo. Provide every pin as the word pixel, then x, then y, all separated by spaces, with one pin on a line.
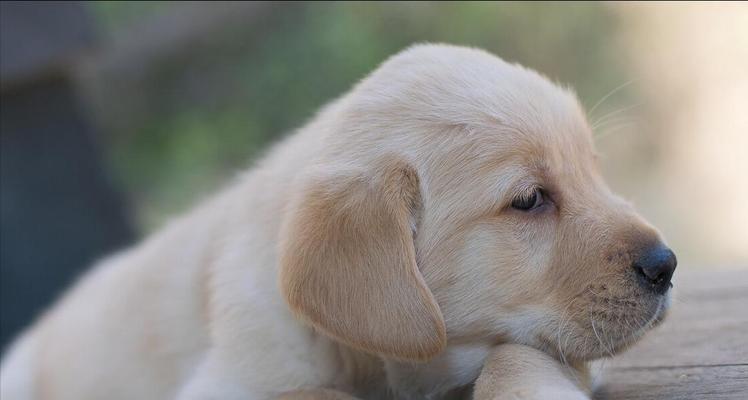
pixel 58 212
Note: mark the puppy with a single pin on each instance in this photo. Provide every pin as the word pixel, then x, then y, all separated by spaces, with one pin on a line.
pixel 447 208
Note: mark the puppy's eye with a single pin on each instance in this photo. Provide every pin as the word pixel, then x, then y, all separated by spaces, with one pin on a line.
pixel 529 202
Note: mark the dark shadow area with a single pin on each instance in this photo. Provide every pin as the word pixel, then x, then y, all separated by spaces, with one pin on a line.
pixel 58 211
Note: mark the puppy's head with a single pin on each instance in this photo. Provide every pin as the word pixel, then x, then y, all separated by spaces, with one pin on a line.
pixel 458 198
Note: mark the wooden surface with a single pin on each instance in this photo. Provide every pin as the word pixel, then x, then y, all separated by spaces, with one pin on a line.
pixel 700 352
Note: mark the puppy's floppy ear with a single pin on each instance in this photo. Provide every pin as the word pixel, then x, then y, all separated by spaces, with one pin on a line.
pixel 348 262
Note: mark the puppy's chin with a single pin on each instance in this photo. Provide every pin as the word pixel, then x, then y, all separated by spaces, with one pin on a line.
pixel 606 326
pixel 616 332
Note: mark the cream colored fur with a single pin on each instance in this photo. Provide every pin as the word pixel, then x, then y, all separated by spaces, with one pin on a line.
pixel 374 254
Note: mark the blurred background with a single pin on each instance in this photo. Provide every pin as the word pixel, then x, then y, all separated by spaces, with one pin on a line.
pixel 118 115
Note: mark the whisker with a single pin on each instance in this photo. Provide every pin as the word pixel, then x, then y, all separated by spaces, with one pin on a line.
pixel 612 92
pixel 599 340
pixel 612 121
pixel 562 345
pixel 610 341
pixel 561 325
pixel 611 114
pixel 613 129
pixel 608 344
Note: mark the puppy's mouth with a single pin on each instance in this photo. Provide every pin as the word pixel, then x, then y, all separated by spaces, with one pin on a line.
pixel 616 329
pixel 605 323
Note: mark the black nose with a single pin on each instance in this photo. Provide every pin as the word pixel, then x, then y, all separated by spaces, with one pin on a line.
pixel 655 267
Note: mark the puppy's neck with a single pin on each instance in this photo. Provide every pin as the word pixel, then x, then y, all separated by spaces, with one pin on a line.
pixel 445 376
pixel 362 374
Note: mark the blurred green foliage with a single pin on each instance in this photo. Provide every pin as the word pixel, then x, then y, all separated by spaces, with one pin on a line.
pixel 206 111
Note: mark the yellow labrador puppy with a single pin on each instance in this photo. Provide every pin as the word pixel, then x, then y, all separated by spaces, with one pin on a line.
pixel 447 212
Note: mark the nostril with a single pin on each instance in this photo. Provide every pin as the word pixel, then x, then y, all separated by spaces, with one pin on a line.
pixel 655 267
pixel 641 272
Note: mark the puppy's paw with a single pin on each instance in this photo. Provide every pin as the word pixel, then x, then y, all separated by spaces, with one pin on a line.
pixel 515 371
